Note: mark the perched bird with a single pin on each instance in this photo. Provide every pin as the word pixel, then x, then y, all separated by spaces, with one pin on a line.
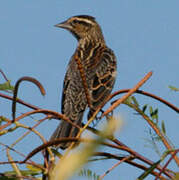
pixel 99 68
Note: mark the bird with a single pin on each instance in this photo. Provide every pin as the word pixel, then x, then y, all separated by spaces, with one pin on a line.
pixel 99 68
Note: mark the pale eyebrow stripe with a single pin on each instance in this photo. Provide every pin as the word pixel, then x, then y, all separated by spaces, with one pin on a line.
pixel 84 20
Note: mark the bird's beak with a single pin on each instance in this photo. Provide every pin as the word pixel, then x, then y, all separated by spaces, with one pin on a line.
pixel 64 25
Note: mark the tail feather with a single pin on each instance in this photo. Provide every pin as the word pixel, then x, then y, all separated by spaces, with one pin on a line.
pixel 65 129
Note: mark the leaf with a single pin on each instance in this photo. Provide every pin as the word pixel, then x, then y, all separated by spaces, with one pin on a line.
pixel 128 100
pixel 150 110
pixel 8 174
pixel 135 101
pixel 33 169
pixel 144 108
pixel 154 114
pixel 3 119
pixel 56 153
pixel 163 127
pixel 148 171
pixel 173 88
pixel 89 174
pixel 6 86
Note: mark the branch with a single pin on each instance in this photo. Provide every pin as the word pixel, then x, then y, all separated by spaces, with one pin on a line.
pixel 5 77
pixel 25 78
pixel 109 170
pixel 146 94
pixel 155 128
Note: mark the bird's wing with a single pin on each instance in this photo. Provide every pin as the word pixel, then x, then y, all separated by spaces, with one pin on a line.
pixel 73 96
pixel 103 79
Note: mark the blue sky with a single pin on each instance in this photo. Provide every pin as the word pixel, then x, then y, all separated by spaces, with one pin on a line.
pixel 143 35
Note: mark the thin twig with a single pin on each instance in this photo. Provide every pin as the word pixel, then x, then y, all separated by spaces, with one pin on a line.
pixel 44 111
pixel 20 162
pixel 21 154
pixel 32 130
pixel 12 149
pixel 3 74
pixel 117 164
pixel 19 101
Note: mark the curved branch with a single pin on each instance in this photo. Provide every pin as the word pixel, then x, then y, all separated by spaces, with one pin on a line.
pixel 25 78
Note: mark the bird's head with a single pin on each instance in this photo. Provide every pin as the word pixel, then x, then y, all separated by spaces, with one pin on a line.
pixel 82 26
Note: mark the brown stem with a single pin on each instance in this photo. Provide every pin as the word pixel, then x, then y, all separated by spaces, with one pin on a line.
pixel 25 78
pixel 117 164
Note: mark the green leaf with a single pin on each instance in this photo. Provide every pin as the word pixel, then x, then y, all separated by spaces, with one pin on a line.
pixel 89 174
pixel 24 173
pixel 163 127
pixel 128 100
pixel 154 114
pixel 144 108
pixel 3 119
pixel 150 110
pixel 173 88
pixel 33 169
pixel 56 153
pixel 6 86
pixel 148 171
pixel 135 101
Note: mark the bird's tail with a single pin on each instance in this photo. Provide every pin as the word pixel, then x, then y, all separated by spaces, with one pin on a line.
pixel 65 129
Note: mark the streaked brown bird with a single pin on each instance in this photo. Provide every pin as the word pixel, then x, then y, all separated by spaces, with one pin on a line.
pixel 99 65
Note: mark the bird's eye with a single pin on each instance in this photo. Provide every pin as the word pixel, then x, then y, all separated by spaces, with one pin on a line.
pixel 74 22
